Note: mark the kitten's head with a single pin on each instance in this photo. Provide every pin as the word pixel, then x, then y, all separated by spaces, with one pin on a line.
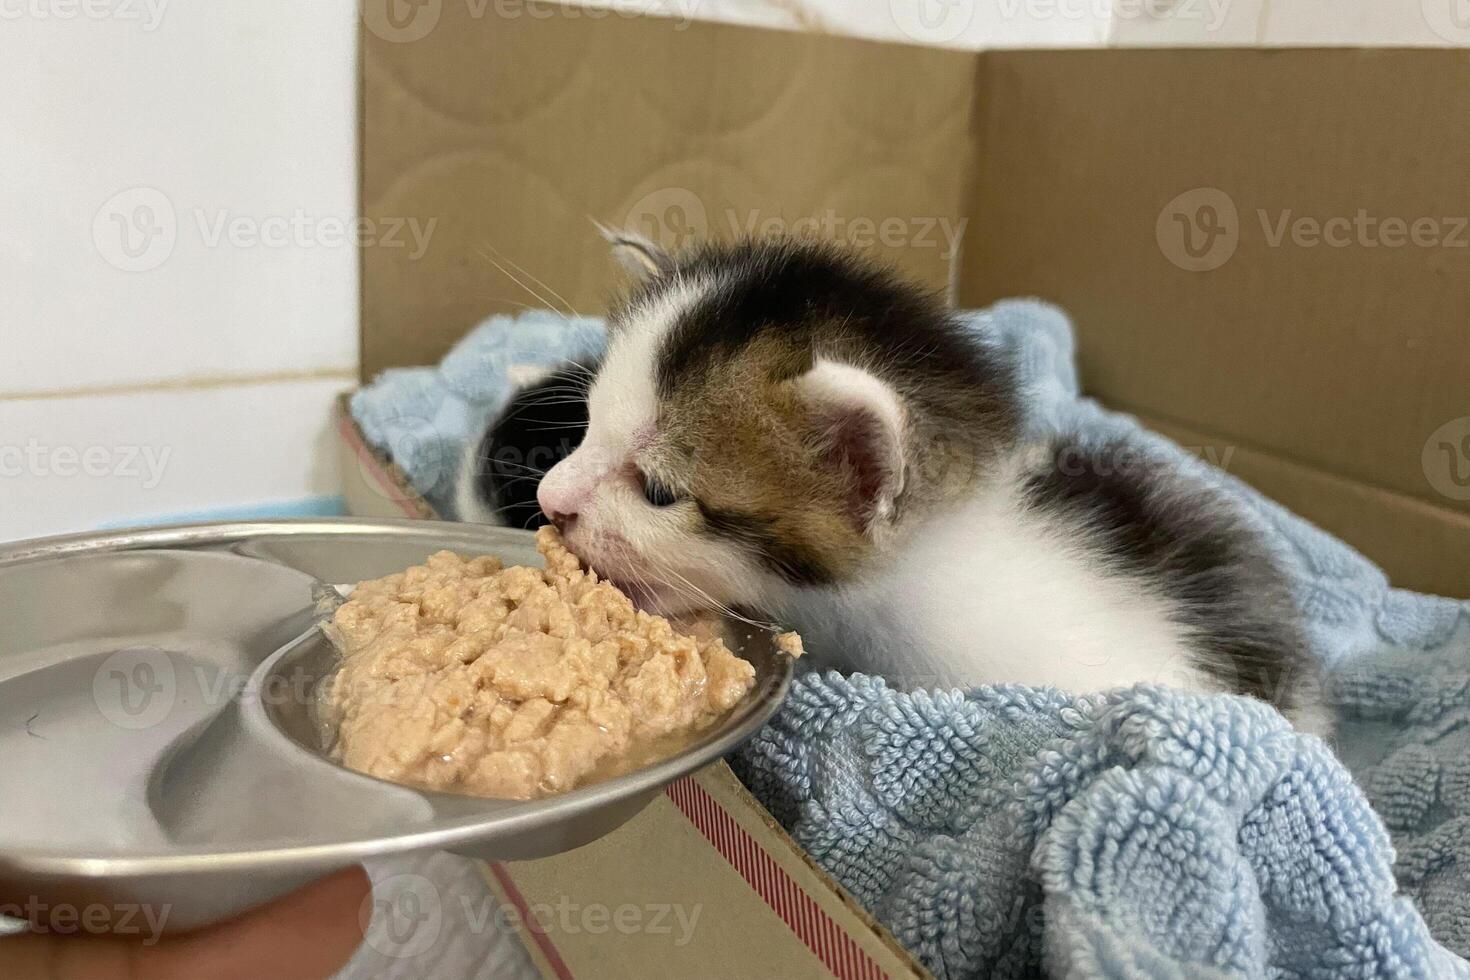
pixel 766 416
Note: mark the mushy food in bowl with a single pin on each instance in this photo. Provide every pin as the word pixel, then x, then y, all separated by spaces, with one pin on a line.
pixel 464 676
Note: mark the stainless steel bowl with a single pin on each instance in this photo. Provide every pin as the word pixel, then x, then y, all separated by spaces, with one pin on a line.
pixel 156 745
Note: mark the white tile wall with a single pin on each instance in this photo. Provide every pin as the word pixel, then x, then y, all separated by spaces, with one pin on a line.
pixel 949 23
pixel 980 24
pixel 177 180
pixel 1381 23
pixel 971 23
pixel 1163 23
pixel 71 464
pixel 127 142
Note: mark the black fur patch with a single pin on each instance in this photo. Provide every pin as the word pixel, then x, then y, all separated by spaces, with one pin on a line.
pixel 1194 545
pixel 818 295
pixel 540 426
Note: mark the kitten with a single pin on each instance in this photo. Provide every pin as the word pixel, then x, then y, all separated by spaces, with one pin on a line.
pixel 780 428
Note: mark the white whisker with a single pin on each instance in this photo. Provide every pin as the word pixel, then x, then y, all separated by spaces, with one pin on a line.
pixel 513 278
pixel 708 600
pixel 529 275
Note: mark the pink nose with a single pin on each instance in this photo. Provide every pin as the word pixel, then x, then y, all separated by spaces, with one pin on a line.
pixel 569 487
pixel 557 510
pixel 561 518
pixel 561 494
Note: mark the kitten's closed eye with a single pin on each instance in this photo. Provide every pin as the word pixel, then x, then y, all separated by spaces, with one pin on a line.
pixel 655 491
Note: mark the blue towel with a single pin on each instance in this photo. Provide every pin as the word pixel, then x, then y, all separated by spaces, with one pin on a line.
pixel 423 417
pixel 1142 833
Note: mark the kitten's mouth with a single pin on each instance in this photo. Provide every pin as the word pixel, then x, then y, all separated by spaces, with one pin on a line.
pixel 648 596
pixel 651 596
pixel 643 594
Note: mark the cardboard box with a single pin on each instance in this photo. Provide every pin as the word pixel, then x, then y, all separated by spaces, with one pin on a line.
pixel 1265 254
pixel 704 850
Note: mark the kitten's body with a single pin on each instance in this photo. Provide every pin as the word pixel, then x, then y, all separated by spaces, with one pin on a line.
pixel 990 590
pixel 779 428
pixel 1025 582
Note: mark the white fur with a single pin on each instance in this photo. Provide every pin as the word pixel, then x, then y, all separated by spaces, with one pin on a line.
pixel 991 593
pixel 468 506
pixel 622 400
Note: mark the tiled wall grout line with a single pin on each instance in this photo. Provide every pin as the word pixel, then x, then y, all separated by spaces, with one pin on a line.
pixel 194 383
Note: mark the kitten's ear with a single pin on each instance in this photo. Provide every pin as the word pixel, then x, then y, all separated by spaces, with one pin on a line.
pixel 640 256
pixel 858 421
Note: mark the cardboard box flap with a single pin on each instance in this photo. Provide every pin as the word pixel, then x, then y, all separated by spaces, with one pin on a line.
pixel 1268 247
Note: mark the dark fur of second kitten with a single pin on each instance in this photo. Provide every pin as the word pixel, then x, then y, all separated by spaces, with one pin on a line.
pixel 539 427
pixel 786 429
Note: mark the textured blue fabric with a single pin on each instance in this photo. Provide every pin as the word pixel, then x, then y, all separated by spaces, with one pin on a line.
pixel 422 417
pixel 1144 833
